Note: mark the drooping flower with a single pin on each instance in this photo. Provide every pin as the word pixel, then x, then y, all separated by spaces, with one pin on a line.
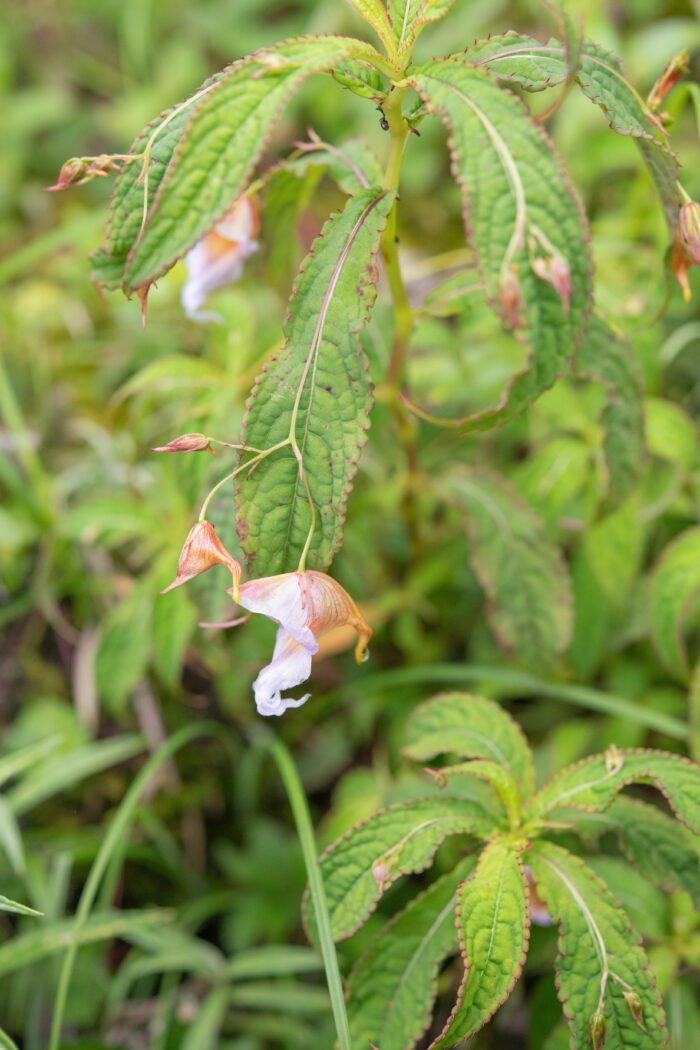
pixel 218 258
pixel 202 550
pixel 686 245
pixel 306 605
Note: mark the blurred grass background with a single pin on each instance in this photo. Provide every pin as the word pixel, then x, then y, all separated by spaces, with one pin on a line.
pixel 91 524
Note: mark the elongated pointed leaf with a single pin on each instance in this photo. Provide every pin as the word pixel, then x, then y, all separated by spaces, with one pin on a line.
pixel 594 940
pixel 471 727
pixel 675 581
pixel 16 909
pixel 605 356
pixel 203 155
pixel 593 783
pixel 393 986
pixel 318 389
pixel 367 860
pixel 517 199
pixel 409 17
pixel 658 846
pixel 374 13
pixel 602 79
pixel 493 927
pixel 522 571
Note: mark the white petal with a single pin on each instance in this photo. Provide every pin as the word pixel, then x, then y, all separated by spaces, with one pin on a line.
pixel 280 598
pixel 205 275
pixel 290 665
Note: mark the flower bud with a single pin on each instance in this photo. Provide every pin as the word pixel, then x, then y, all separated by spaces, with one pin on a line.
pixel 614 759
pixel 187 443
pixel 635 1004
pixel 690 229
pixel 81 169
pixel 510 294
pixel 597 1029
pixel 555 270
pixel 202 550
pixel 674 70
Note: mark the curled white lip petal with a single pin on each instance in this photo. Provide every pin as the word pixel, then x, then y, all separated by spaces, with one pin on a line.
pixel 279 598
pixel 290 665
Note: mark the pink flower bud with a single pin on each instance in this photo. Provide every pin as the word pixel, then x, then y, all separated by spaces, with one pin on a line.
pixel 202 550
pixel 82 169
pixel 510 294
pixel 187 443
pixel 555 270
pixel 635 1004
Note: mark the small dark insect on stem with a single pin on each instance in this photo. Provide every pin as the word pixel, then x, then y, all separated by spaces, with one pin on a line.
pixel 383 123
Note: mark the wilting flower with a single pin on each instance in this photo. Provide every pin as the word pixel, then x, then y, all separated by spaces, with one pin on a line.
pixel 510 294
pixel 202 550
pixel 538 909
pixel 672 73
pixel 555 270
pixel 306 605
pixel 218 258
pixel 187 443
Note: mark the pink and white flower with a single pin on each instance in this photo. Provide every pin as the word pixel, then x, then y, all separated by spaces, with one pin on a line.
pixel 306 605
pixel 218 258
pixel 203 550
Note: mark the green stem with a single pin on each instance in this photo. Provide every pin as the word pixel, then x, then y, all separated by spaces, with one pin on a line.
pixel 398 130
pixel 302 819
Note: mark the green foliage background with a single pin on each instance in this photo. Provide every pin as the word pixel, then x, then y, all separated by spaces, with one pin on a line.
pixel 91 524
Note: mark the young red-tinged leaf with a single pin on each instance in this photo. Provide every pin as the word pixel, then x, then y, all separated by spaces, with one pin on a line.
pixel 393 986
pixel 409 17
pixel 374 13
pixel 535 66
pixel 598 953
pixel 493 927
pixel 319 390
pixel 470 727
pixel 522 220
pixel 529 604
pixel 675 582
pixel 199 156
pixel 367 860
pixel 593 783
pixel 605 356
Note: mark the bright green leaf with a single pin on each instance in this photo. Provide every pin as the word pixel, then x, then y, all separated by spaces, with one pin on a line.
pixel 471 727
pixel 597 951
pixel 409 17
pixel 674 583
pixel 518 207
pixel 493 929
pixel 593 783
pixel 16 909
pixel 363 864
pixel 203 157
pixel 123 650
pixel 392 988
pixel 318 389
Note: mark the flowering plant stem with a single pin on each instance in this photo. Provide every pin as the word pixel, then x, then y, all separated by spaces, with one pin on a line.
pixel 305 831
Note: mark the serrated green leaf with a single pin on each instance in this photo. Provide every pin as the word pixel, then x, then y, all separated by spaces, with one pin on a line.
pixel 613 548
pixel 319 390
pixel 471 727
pixel 603 81
pixel 516 200
pixel 671 434
pixel 658 846
pixel 604 356
pixel 409 17
pixel 596 946
pixel 351 164
pixel 374 13
pixel 16 909
pixel 202 159
pixel 367 860
pixel 529 602
pixel 674 583
pixel 362 79
pixel 593 783
pixel 501 780
pixel 493 928
pixel 393 986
